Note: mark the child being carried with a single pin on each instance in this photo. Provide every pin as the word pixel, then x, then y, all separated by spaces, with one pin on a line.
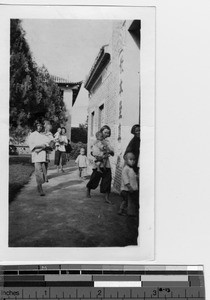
pixel 99 151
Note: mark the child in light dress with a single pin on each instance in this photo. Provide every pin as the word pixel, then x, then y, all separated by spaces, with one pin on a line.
pixel 82 163
pixel 129 187
pixel 99 151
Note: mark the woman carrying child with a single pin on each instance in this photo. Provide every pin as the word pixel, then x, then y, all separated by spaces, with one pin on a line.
pixel 37 145
pixel 60 151
pixel 104 175
pixel 99 149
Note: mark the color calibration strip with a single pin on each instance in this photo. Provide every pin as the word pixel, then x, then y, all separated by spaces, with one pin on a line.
pixel 101 282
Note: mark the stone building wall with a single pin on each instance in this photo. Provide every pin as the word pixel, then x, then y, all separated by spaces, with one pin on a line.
pixel 110 91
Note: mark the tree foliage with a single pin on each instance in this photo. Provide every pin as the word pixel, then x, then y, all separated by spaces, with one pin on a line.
pixel 33 94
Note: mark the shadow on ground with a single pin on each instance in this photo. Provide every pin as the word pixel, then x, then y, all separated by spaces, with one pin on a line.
pixel 66 218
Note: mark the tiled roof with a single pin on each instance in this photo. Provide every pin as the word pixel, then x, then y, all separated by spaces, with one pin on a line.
pixel 74 86
pixel 61 80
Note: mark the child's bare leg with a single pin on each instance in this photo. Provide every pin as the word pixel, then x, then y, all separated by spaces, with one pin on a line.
pixel 107 200
pixel 131 205
pixel 98 166
pixel 88 193
pixel 123 206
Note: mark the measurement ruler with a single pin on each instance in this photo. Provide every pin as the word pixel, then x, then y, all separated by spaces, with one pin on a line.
pixel 101 282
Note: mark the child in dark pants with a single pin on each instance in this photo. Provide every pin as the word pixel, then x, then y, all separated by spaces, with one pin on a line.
pixel 129 187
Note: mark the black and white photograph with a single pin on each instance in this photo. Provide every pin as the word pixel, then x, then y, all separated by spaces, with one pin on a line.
pixel 77 129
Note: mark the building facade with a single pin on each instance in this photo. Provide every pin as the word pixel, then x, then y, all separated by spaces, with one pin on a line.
pixel 114 91
pixel 70 92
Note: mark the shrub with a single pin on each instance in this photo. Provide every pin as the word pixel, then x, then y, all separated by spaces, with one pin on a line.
pixel 79 134
pixel 12 150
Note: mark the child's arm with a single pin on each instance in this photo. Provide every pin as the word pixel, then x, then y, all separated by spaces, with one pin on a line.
pixel 129 187
pixel 38 149
pixel 126 179
pixel 109 148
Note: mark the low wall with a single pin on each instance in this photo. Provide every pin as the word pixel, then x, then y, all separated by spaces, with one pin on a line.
pixel 23 149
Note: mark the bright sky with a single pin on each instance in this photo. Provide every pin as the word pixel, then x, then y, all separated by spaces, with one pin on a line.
pixel 68 49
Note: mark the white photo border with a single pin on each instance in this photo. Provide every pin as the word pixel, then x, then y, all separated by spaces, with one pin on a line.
pixel 145 250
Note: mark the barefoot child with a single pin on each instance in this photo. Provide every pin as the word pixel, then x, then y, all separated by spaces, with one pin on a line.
pixel 82 163
pixel 129 187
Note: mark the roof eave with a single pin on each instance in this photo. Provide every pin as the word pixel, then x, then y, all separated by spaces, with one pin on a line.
pixel 97 70
pixel 76 92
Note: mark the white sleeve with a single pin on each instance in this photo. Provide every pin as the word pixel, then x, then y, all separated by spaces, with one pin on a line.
pixel 125 176
pixel 95 150
pixel 32 141
pixel 77 160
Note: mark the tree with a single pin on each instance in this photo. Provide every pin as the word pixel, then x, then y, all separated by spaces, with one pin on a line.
pixel 33 94
pixel 23 75
pixel 51 105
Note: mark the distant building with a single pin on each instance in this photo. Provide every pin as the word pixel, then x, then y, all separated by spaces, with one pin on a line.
pixel 114 90
pixel 70 92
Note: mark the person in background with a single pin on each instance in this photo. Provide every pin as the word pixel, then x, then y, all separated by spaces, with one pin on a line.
pixel 68 150
pixel 57 137
pixel 37 145
pixel 134 145
pixel 82 163
pixel 60 152
pixel 129 187
pixel 106 176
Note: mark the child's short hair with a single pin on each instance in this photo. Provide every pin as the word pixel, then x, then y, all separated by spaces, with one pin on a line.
pixel 82 149
pixel 129 154
pixel 99 134
pixel 63 128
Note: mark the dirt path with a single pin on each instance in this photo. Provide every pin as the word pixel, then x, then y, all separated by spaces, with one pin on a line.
pixel 64 217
